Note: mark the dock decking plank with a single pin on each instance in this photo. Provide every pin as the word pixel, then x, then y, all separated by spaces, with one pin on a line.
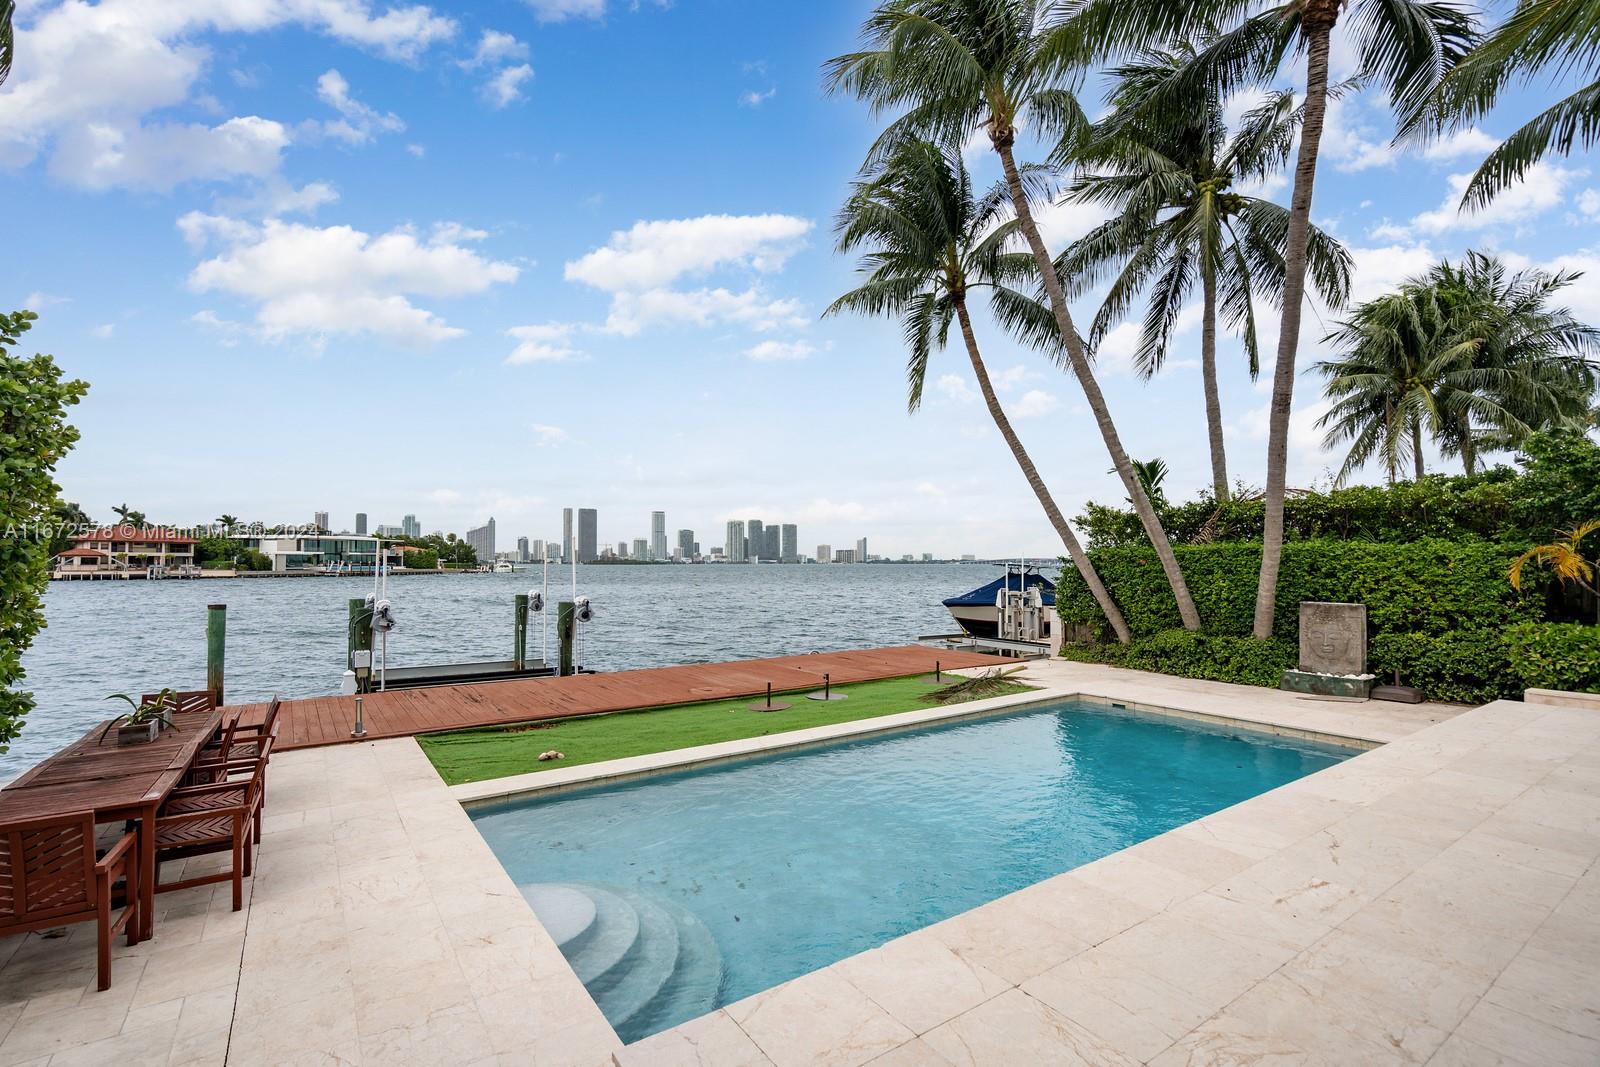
pixel 315 721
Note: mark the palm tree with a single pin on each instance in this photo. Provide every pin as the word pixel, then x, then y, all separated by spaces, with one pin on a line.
pixel 959 66
pixel 1565 557
pixel 1402 46
pixel 129 516
pixel 8 38
pixel 1179 221
pixel 928 243
pixel 1525 365
pixel 1539 35
pixel 226 521
pixel 1467 355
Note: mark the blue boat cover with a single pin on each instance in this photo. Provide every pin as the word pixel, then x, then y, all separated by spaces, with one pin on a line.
pixel 984 595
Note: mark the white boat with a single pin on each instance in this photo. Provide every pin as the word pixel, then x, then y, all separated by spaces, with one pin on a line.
pixel 504 566
pixel 1022 594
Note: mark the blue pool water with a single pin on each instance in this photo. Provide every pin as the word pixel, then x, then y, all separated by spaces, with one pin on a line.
pixel 676 894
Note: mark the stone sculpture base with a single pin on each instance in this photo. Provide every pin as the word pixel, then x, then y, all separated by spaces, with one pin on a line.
pixel 1327 685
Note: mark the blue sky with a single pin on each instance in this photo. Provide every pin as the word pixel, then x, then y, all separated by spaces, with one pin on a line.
pixel 500 259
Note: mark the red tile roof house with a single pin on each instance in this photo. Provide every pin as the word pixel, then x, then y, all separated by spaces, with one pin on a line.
pixel 125 550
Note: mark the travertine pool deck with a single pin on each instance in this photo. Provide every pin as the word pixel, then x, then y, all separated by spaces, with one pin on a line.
pixel 1434 900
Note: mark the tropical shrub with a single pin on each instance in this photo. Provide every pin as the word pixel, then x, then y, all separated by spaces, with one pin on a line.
pixel 34 436
pixel 1555 655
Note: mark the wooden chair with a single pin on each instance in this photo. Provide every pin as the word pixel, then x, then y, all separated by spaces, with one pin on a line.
pixel 240 745
pixel 187 701
pixel 223 816
pixel 49 877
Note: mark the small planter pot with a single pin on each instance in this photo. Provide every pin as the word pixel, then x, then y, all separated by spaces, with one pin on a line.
pixel 138 735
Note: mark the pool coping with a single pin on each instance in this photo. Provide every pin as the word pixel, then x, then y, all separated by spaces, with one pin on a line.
pixel 472 794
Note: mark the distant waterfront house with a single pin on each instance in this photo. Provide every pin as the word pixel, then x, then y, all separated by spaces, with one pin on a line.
pixel 123 549
pixel 295 552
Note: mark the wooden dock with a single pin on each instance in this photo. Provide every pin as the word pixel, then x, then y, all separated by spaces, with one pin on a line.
pixel 327 720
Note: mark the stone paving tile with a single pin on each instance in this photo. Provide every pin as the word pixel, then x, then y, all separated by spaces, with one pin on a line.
pixel 819 1018
pixel 1015 1028
pixel 713 1040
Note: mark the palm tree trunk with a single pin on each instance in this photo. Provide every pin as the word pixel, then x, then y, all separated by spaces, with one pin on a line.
pixel 1080 558
pixel 1091 388
pixel 1416 446
pixel 1469 451
pixel 1208 375
pixel 1317 24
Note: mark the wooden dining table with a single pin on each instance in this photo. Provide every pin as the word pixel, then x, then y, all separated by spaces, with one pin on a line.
pixel 118 782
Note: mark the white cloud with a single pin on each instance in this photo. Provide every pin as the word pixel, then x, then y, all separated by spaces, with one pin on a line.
pixel 1375 271
pixel 1583 295
pixel 87 77
pixel 754 98
pixel 548 342
pixel 161 156
pixel 561 10
pixel 357 122
pixel 1062 223
pixel 954 387
pixel 752 308
pixel 1469 142
pixel 775 351
pixel 104 330
pixel 638 267
pixel 505 88
pixel 1542 187
pixel 546 436
pixel 417 150
pixel 1012 377
pixel 1350 140
pixel 1589 203
pixel 339 280
pixel 652 254
pixel 1034 403
pixel 494 47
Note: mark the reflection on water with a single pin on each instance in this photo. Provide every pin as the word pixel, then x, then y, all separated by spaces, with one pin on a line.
pixel 287 635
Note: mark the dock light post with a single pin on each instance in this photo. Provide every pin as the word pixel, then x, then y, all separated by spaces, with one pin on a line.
pixel 827 691
pixel 361 720
pixel 938 674
pixel 768 705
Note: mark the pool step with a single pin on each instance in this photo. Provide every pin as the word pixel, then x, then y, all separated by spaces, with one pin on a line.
pixel 636 981
pixel 605 944
pixel 692 990
pixel 566 911
pixel 649 963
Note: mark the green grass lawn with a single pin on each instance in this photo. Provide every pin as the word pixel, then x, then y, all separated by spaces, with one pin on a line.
pixel 495 752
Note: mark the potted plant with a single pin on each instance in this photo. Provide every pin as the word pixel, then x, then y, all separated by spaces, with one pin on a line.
pixel 146 721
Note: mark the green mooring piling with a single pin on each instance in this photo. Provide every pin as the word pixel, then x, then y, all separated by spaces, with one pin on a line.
pixel 216 648
pixel 519 636
pixel 566 627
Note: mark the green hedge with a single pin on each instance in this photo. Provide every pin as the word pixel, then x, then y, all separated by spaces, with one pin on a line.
pixel 1440 613
pixel 1189 655
pixel 1474 666
pixel 1557 486
pixel 1432 586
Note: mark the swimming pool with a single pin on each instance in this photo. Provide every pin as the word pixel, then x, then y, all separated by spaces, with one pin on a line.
pixel 675 894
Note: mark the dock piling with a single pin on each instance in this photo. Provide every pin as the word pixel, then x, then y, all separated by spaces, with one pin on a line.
pixel 519 640
pixel 566 629
pixel 216 649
